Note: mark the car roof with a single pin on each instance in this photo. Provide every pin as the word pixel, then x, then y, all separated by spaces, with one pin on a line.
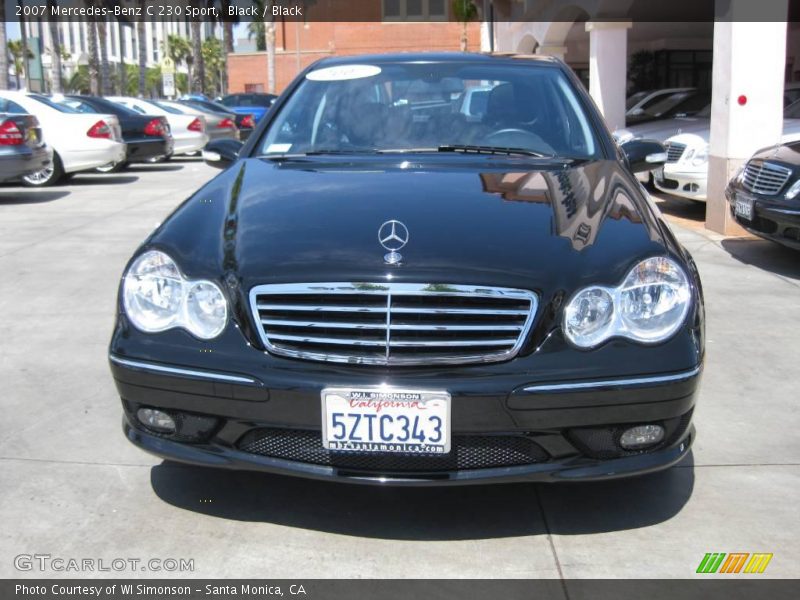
pixel 453 57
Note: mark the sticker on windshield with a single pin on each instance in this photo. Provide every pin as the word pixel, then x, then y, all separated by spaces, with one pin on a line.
pixel 278 148
pixel 343 73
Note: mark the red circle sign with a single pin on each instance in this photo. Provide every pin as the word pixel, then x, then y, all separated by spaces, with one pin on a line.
pixel 742 100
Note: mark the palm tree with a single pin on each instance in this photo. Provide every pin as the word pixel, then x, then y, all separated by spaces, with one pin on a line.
pixel 255 28
pixel 3 53
pixel 464 11
pixel 179 50
pixel 105 75
pixel 94 67
pixel 56 83
pixel 17 51
pixel 198 82
pixel 227 43
pixel 122 83
pixel 214 62
pixel 141 47
pixel 26 54
pixel 269 35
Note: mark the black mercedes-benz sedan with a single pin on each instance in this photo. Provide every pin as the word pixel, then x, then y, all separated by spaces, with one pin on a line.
pixel 381 288
pixel 764 195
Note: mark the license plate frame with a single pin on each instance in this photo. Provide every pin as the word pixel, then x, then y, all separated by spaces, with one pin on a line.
pixel 743 206
pixel 381 402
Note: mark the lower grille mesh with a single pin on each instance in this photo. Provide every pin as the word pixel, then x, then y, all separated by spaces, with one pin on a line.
pixel 467 452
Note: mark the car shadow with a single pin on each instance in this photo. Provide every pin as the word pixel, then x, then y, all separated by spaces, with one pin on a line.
pixel 186 159
pixel 92 179
pixel 680 209
pixel 765 255
pixel 150 167
pixel 426 513
pixel 30 196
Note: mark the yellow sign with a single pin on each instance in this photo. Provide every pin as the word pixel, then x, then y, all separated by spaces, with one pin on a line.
pixel 167 65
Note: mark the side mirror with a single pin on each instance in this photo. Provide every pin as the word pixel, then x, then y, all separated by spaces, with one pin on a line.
pixel 221 153
pixel 644 155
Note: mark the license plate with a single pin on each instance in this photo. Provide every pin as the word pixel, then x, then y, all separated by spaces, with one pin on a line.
pixel 743 207
pixel 386 420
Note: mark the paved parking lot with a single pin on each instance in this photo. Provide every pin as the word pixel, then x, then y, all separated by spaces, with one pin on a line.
pixel 73 487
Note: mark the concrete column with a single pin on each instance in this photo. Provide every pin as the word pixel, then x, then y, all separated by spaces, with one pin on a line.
pixel 747 101
pixel 608 68
pixel 549 50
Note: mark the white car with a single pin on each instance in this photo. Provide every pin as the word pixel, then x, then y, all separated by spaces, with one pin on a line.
pixel 663 129
pixel 685 173
pixel 80 141
pixel 638 102
pixel 188 131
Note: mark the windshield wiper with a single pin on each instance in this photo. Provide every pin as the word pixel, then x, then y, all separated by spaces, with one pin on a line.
pixel 468 149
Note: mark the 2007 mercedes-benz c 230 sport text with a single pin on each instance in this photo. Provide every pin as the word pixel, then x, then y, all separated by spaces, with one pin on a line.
pixel 419 269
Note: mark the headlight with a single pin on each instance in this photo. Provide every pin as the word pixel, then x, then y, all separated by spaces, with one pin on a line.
pixel 157 297
pixel 793 191
pixel 700 156
pixel 649 306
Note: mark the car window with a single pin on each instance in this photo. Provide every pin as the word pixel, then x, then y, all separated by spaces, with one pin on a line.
pixel 77 105
pixel 55 105
pixel 409 106
pixel 11 107
pixel 169 108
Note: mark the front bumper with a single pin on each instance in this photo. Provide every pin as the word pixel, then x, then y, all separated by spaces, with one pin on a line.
pixel 573 426
pixel 774 220
pixel 686 184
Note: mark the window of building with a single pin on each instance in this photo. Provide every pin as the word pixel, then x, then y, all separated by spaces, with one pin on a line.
pixel 82 33
pixel 71 31
pixel 414 10
pixel 254 88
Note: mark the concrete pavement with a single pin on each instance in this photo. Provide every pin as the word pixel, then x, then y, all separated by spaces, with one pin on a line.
pixel 73 487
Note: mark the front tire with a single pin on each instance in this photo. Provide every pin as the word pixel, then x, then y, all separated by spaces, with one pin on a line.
pixel 48 176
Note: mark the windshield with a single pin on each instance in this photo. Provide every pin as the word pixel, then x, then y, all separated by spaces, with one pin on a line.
pixel 680 103
pixel 168 108
pixel 792 111
pixel 635 99
pixel 424 106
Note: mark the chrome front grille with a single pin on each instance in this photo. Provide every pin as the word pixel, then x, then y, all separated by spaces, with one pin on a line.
pixel 764 177
pixel 674 151
pixel 392 323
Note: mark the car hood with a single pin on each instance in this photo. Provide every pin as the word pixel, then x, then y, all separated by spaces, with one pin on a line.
pixel 501 222
pixel 661 130
pixel 788 152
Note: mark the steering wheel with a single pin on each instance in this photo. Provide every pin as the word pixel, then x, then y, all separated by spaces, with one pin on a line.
pixel 507 131
pixel 514 137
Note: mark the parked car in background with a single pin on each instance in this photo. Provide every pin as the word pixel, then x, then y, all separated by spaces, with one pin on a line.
pixel 22 148
pixel 218 126
pixel 256 104
pixel 638 102
pixel 188 131
pixel 147 137
pixel 679 104
pixel 390 293
pixel 245 122
pixel 685 173
pixel 764 195
pixel 80 141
